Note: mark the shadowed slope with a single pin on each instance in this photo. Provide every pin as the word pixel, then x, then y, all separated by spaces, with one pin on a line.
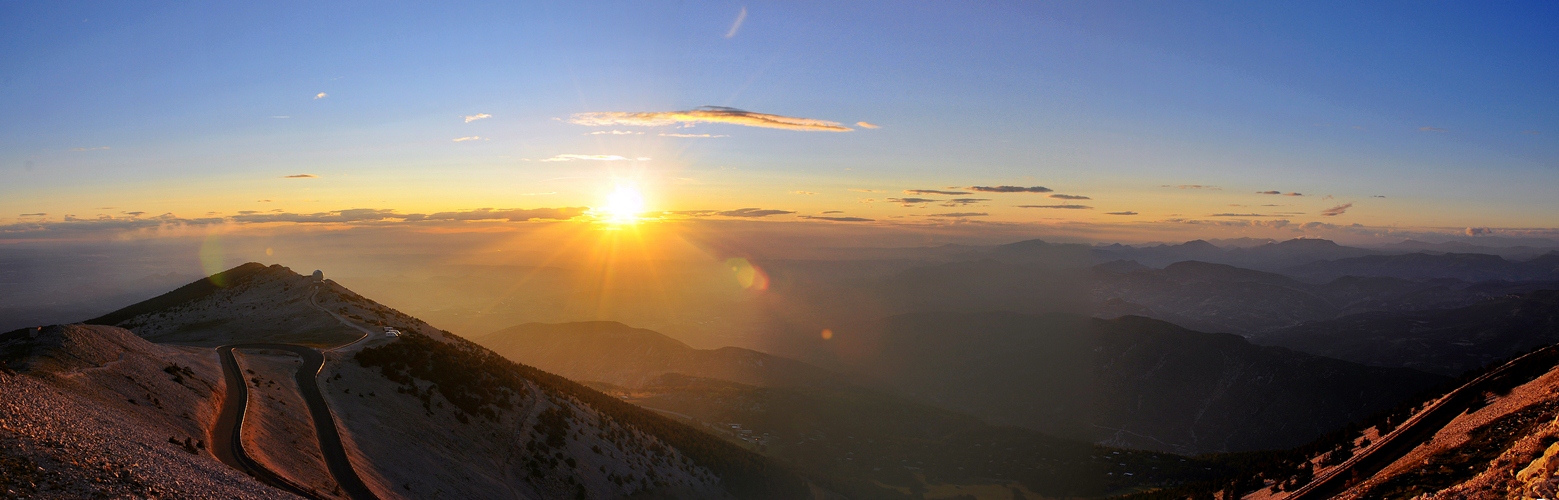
pixel 611 352
pixel 1132 382
pixel 1448 342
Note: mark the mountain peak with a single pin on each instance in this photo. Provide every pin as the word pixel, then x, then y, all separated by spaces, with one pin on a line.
pixel 1199 245
pixel 1308 243
pixel 252 302
pixel 1026 244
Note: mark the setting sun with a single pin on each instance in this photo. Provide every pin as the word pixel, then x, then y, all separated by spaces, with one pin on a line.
pixel 624 205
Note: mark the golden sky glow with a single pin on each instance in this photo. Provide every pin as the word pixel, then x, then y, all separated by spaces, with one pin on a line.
pixel 1202 126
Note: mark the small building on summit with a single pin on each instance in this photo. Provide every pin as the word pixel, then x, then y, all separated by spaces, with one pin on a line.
pixel 319 275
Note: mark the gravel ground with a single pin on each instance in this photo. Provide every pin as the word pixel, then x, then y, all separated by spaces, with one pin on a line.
pixel 92 413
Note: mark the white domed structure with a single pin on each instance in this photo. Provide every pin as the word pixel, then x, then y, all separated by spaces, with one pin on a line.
pixel 319 275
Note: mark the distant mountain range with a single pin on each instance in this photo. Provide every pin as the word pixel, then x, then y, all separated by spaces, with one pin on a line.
pixel 1448 342
pixel 819 422
pixel 1420 266
pixel 1131 382
pixel 611 352
pixel 1224 298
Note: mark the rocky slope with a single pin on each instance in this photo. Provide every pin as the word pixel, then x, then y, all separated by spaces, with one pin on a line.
pixel 96 411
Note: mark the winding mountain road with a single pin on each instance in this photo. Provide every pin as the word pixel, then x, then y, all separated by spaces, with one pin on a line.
pixel 228 442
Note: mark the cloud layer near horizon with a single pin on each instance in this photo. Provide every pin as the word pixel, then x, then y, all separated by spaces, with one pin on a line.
pixel 357 215
pixel 706 114
pixel 1011 189
pixel 753 212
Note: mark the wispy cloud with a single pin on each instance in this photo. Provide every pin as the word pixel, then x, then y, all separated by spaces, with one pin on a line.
pixel 867 125
pixel 321 95
pixel 837 219
pixel 740 18
pixel 909 202
pixel 1337 210
pixel 863 190
pixel 958 202
pixel 1238 215
pixel 370 215
pixel 1062 207
pixel 691 213
pixel 99 148
pixel 1431 129
pixel 832 212
pixel 1121 213
pixel 1069 197
pixel 39 214
pixel 1377 196
pixel 1010 189
pixel 134 220
pixel 753 212
pixel 471 138
pixel 1478 231
pixel 280 116
pixel 803 192
pixel 573 157
pixel 934 191
pixel 300 176
pixel 694 136
pixel 959 214
pixel 509 214
pixel 478 116
pixel 706 114
pixel 1192 186
pixel 1279 193
pixel 615 132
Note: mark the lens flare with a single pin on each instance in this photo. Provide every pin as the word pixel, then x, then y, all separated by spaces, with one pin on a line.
pixel 748 275
pixel 212 259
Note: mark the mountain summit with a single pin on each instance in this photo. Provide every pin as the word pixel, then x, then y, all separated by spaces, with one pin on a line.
pixel 405 402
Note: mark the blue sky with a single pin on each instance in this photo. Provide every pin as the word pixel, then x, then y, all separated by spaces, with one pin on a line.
pixel 1447 110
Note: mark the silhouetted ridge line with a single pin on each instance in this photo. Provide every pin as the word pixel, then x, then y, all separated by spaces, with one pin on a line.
pixel 184 294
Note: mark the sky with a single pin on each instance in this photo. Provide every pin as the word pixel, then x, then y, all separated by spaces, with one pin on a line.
pixel 1096 121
